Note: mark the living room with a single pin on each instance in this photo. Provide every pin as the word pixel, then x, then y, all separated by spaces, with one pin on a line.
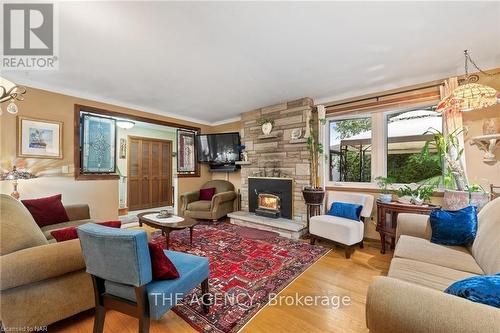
pixel 250 166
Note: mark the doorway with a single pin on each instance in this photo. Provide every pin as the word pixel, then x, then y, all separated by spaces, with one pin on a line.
pixel 149 173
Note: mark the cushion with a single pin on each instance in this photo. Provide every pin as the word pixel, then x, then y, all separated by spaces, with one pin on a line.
pixel 69 233
pixel 425 274
pixel 200 205
pixel 454 227
pixel 163 268
pixel 207 193
pixel 486 247
pixel 455 257
pixel 346 210
pixel 481 289
pixel 192 270
pixel 18 230
pixel 338 229
pixel 49 228
pixel 46 211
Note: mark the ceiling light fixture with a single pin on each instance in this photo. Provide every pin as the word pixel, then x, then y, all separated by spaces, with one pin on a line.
pixel 10 92
pixel 125 124
pixel 470 96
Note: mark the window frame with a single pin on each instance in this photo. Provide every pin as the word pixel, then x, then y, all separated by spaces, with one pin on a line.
pixel 379 145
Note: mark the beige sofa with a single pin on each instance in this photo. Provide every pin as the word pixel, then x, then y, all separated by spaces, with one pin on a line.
pixel 41 281
pixel 411 298
pixel 223 202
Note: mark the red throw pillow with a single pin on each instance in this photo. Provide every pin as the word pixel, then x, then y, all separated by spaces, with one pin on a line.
pixel 70 233
pixel 111 224
pixel 47 211
pixel 65 234
pixel 163 268
pixel 207 193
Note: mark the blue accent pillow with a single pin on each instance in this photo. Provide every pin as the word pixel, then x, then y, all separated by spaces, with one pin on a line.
pixel 346 210
pixel 481 289
pixel 454 227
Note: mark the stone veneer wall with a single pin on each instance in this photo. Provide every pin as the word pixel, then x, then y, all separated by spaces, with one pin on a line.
pixel 277 156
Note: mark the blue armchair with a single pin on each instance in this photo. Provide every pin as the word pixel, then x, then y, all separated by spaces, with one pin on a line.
pixel 118 261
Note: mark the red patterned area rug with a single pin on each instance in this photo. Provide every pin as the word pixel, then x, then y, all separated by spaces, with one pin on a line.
pixel 246 265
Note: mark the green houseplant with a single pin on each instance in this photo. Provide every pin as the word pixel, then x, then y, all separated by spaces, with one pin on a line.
pixel 415 194
pixel 454 179
pixel 314 194
pixel 385 193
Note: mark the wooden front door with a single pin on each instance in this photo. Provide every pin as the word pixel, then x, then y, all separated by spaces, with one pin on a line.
pixel 149 173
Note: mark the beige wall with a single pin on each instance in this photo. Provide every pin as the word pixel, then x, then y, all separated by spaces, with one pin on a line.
pixel 102 196
pixel 477 170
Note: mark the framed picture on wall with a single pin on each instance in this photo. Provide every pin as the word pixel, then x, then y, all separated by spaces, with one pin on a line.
pixel 186 154
pixel 39 138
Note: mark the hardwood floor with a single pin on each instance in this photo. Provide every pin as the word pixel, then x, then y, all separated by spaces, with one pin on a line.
pixel 332 275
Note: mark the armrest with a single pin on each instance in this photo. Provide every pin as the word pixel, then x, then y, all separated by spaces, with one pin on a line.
pixel 396 306
pixel 416 225
pixel 222 197
pixel 78 212
pixel 40 263
pixel 187 198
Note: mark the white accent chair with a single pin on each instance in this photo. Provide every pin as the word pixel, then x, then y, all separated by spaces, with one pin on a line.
pixel 342 231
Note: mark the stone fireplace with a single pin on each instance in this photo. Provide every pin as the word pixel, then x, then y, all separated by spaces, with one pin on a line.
pixel 279 155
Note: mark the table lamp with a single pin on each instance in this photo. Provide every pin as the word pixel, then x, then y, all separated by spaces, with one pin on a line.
pixel 15 175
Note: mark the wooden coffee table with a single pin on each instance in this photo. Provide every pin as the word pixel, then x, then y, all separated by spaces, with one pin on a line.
pixel 167 225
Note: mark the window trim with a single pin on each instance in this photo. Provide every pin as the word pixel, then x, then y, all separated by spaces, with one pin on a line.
pixel 78 108
pixel 379 145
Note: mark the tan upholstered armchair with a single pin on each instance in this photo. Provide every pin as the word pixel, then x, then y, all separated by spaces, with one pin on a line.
pixel 223 202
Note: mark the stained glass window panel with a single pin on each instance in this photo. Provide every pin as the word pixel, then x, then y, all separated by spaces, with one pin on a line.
pixel 98 144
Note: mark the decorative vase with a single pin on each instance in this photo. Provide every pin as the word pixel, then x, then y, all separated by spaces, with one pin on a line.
pixel 313 195
pixel 455 200
pixel 267 128
pixel 385 197
pixel 479 199
pixel 491 126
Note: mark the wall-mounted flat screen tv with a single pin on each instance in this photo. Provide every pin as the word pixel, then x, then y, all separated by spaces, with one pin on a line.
pixel 218 148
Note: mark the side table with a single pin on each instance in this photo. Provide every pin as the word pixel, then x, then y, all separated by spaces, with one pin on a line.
pixel 387 227
pixel 312 210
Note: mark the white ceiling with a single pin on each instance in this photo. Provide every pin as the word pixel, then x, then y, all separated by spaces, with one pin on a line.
pixel 211 61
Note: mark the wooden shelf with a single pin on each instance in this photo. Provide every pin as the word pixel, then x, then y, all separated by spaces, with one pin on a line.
pixel 242 162
pixel 269 136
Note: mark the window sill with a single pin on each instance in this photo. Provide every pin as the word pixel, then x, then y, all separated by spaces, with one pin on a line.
pixel 96 176
pixel 368 188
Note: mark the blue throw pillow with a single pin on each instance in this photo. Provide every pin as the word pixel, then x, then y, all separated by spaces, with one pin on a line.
pixel 454 227
pixel 346 210
pixel 481 289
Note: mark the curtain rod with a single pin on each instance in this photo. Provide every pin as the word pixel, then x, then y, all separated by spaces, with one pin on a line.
pixel 385 95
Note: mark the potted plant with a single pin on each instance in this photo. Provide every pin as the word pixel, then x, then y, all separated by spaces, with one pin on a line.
pixel 314 194
pixel 455 182
pixel 266 125
pixel 415 194
pixel 385 193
